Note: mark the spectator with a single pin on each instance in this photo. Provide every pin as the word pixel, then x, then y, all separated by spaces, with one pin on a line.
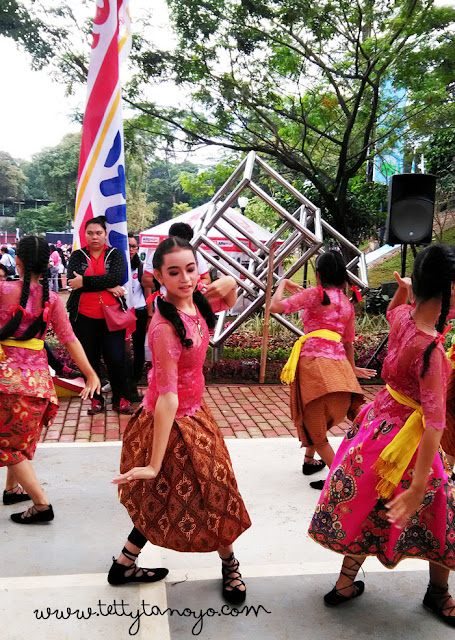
pixel 185 232
pixel 139 303
pixel 9 262
pixel 95 275
pixel 54 262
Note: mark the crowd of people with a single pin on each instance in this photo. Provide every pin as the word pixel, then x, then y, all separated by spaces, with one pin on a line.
pixel 389 491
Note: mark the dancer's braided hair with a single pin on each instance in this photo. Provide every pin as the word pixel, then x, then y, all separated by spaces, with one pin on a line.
pixel 432 277
pixel 332 271
pixel 34 253
pixel 168 310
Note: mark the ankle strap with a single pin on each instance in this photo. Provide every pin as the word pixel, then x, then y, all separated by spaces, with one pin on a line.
pixel 129 554
pixel 231 557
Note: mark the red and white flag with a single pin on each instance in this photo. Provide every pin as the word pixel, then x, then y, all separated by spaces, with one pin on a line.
pixel 101 179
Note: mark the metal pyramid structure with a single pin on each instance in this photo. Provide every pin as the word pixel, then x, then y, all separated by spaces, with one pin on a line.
pixel 302 228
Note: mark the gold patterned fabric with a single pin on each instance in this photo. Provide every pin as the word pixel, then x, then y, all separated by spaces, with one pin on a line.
pixel 194 503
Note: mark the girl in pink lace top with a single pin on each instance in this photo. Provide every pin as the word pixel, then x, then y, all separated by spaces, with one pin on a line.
pixel 175 368
pixel 388 493
pixel 325 388
pixel 176 479
pixel 27 395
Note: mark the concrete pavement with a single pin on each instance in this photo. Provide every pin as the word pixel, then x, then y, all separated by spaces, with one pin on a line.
pixel 53 580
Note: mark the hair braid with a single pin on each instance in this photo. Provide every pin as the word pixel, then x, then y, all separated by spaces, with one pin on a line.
pixel 445 307
pixel 205 309
pixel 34 253
pixel 169 312
pixel 325 298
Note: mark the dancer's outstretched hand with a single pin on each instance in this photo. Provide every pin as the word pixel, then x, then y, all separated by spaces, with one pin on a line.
pixel 403 507
pixel 293 287
pixel 405 283
pixel 136 473
pixel 364 373
pixel 92 384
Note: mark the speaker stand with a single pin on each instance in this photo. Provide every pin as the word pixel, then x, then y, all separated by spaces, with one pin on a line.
pixel 404 248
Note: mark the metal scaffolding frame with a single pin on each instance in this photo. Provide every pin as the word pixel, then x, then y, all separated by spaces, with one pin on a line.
pixel 304 227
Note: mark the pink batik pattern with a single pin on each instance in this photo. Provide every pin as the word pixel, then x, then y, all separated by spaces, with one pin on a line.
pixel 27 359
pixel 402 371
pixel 174 367
pixel 338 316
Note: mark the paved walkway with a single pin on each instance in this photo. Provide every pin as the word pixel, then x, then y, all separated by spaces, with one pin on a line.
pixel 53 580
pixel 241 411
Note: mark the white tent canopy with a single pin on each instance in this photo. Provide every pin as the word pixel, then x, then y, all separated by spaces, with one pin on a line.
pixel 151 238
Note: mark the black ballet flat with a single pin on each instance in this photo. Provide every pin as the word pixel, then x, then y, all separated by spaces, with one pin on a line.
pixel 308 469
pixel 11 497
pixel 434 601
pixel 317 484
pixel 117 571
pixel 33 516
pixel 231 574
pixel 334 597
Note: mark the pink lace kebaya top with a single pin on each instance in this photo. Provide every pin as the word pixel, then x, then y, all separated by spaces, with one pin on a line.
pixel 402 371
pixel 27 359
pixel 338 316
pixel 174 367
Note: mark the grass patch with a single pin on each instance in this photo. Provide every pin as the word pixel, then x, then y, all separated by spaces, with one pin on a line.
pixel 384 271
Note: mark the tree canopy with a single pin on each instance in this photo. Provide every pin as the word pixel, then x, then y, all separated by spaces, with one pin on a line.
pixel 302 81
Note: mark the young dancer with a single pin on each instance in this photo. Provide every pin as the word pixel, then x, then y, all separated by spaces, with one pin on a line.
pixel 177 481
pixel 388 494
pixel 321 369
pixel 27 394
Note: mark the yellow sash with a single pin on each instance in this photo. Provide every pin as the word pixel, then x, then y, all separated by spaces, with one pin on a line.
pixel 34 343
pixel 451 354
pixel 396 456
pixel 289 369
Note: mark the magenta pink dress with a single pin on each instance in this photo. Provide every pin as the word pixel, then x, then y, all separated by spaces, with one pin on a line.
pixel 194 503
pixel 349 518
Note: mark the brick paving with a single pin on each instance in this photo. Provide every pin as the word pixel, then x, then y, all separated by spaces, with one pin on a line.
pixel 241 411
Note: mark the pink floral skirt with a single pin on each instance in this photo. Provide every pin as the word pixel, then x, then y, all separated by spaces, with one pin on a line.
pixel 350 519
pixel 21 421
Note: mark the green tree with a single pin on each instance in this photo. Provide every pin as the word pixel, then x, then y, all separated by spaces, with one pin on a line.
pixel 140 214
pixel 42 219
pixel 54 171
pixel 12 178
pixel 33 33
pixel 440 159
pixel 179 208
pixel 302 81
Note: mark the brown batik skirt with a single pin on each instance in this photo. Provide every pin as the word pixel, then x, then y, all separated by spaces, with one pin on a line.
pixel 323 393
pixel 448 436
pixel 193 504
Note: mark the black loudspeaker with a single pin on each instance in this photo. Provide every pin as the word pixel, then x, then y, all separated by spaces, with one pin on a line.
pixel 411 208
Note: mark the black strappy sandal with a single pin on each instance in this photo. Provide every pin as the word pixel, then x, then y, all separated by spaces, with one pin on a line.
pixel 309 468
pixel 33 515
pixel 231 593
pixel 11 496
pixel 434 601
pixel 335 597
pixel 117 573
